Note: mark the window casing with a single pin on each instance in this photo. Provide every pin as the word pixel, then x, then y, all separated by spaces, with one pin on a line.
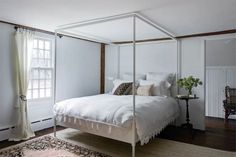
pixel 41 77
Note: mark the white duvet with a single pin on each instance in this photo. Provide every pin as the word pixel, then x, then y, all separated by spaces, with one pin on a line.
pixel 153 113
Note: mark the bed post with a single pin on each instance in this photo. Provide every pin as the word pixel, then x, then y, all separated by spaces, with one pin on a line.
pixel 118 67
pixel 55 126
pixel 54 84
pixel 178 75
pixel 134 85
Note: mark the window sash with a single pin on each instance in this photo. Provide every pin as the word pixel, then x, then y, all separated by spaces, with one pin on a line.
pixel 41 74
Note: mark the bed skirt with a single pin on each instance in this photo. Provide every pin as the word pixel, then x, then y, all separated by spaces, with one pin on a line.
pixel 98 128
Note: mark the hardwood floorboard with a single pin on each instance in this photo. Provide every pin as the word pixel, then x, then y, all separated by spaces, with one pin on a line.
pixel 7 143
pixel 217 135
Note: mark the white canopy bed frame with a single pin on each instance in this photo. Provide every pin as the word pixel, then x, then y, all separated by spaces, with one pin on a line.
pixel 120 134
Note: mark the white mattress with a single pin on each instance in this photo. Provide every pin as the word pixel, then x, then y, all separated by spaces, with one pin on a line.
pixel 153 113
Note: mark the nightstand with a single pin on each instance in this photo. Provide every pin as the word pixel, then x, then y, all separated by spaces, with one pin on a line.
pixel 186 98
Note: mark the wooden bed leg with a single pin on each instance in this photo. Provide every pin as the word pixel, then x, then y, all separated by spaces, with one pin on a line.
pixel 133 150
pixel 55 127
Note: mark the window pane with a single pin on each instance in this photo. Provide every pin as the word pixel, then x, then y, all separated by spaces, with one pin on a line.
pixel 48 83
pixel 41 93
pixel 48 74
pixel 42 74
pixel 35 94
pixel 35 43
pixel 35 84
pixel 29 94
pixel 49 64
pixel 47 54
pixel 41 63
pixel 34 63
pixel 35 74
pixel 35 53
pixel 47 45
pixel 41 44
pixel 41 54
pixel 48 92
pixel 42 84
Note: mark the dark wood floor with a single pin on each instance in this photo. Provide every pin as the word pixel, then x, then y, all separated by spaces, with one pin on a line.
pixel 7 143
pixel 217 135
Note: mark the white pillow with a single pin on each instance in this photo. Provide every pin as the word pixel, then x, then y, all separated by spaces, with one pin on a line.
pixel 155 91
pixel 160 88
pixel 160 77
pixel 129 76
pixel 144 90
pixel 117 83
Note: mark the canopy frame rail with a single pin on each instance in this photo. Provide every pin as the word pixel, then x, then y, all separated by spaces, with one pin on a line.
pixel 63 28
pixel 135 16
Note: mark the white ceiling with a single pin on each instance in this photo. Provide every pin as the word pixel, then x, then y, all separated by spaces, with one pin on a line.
pixel 181 17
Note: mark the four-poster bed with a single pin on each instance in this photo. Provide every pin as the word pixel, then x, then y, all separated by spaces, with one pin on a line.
pixel 118 130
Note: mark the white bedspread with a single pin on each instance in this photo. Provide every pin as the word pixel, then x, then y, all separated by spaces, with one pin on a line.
pixel 153 113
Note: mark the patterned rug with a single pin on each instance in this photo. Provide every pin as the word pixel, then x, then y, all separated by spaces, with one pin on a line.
pixel 48 146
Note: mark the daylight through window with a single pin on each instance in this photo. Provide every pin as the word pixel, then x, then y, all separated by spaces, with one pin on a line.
pixel 40 84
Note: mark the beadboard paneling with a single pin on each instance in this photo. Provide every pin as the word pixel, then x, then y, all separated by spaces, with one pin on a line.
pixel 216 80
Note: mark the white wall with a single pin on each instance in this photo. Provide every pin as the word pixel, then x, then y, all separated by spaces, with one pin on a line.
pixel 221 52
pixel 78 68
pixel 78 74
pixel 7 86
pixel 192 63
pixel 147 59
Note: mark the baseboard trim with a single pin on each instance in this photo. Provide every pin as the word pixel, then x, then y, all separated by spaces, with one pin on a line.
pixel 5 132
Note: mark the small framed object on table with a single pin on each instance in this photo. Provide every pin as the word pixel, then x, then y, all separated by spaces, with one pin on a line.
pixel 187 125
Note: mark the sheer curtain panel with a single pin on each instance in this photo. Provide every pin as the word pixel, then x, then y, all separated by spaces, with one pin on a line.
pixel 24 47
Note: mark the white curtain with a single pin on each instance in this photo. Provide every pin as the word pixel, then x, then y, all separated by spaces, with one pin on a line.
pixel 24 47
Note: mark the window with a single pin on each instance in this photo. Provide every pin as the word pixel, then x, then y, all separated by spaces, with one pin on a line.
pixel 40 84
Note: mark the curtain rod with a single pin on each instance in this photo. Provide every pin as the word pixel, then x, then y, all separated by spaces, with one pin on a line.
pixel 34 29
pixel 16 26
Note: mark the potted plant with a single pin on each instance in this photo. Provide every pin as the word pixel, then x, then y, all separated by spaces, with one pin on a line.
pixel 188 83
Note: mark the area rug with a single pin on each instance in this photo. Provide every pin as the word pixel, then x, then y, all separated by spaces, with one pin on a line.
pixel 155 148
pixel 48 146
pixel 73 143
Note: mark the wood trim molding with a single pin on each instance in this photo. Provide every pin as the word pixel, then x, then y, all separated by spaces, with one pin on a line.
pixel 142 41
pixel 102 68
pixel 182 37
pixel 208 34
pixel 44 31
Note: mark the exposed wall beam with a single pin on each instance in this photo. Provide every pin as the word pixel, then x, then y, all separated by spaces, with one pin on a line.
pixel 102 68
pixel 142 41
pixel 181 37
pixel 208 34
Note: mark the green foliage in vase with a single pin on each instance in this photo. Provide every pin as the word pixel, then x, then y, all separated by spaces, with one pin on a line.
pixel 188 83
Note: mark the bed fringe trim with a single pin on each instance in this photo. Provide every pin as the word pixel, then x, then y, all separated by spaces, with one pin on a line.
pixel 143 140
pixel 147 138
pixel 79 121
